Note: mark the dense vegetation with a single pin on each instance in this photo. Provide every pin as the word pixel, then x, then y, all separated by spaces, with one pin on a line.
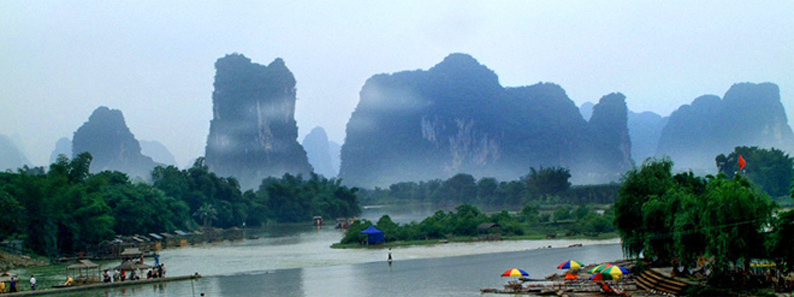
pixel 66 209
pixel 680 218
pixel 547 205
pixel 465 221
pixel 771 169
pixel 540 186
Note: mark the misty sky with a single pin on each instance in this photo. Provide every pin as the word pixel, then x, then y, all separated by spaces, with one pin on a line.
pixel 153 60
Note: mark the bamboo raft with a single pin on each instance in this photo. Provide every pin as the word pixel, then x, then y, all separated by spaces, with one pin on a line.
pixel 98 286
pixel 556 289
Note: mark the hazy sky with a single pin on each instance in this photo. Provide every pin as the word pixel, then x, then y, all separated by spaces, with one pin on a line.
pixel 153 60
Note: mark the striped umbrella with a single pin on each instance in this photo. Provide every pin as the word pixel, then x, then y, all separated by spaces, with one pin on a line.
pixel 570 264
pixel 615 270
pixel 515 272
pixel 604 276
pixel 598 268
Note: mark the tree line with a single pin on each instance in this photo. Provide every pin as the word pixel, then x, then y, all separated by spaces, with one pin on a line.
pixel 465 220
pixel 685 220
pixel 541 186
pixel 65 209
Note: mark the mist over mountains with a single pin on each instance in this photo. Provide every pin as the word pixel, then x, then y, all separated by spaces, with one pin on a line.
pixel 318 150
pixel 456 117
pixel 11 157
pixel 106 136
pixel 253 133
pixel 747 115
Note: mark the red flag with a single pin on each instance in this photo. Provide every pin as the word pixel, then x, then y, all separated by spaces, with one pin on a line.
pixel 741 162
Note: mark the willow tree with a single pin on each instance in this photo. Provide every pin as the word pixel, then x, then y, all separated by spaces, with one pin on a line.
pixel 733 216
pixel 640 185
pixel 681 217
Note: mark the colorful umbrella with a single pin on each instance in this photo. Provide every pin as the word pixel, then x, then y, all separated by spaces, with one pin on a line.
pixel 570 264
pixel 614 270
pixel 598 268
pixel 602 276
pixel 515 272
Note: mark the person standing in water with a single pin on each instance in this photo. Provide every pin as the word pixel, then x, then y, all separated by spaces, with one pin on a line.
pixel 390 260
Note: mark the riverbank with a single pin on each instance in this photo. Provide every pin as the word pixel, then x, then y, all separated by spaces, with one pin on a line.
pixel 99 286
pixel 10 261
pixel 471 239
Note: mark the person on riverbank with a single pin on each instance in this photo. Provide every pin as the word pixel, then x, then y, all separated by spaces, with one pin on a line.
pixel 13 288
pixel 2 287
pixel 32 283
pixel 390 259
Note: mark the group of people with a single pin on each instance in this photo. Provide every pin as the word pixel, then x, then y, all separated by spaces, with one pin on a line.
pixel 155 272
pixel 12 288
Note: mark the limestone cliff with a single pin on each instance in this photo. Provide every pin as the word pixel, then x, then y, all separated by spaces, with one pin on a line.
pixel 456 117
pixel 253 133
pixel 747 115
pixel 106 136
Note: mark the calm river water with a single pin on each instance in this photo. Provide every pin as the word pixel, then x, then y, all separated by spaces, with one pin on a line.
pixel 298 261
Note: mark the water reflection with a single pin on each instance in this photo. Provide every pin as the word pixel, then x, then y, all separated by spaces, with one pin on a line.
pixel 298 261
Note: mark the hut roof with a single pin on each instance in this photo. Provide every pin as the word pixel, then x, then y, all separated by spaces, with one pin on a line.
pixel 180 233
pixel 83 264
pixel 131 252
pixel 488 226
pixel 6 276
pixel 130 265
pixel 155 236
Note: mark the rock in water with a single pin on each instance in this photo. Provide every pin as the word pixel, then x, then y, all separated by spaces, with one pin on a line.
pixel 112 145
pixel 253 133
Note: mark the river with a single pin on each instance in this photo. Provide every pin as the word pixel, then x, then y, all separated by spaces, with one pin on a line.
pixel 298 261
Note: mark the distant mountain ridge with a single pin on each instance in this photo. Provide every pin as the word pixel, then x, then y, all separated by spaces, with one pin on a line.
pixel 157 151
pixel 318 151
pixel 748 115
pixel 106 136
pixel 62 147
pixel 11 157
pixel 456 117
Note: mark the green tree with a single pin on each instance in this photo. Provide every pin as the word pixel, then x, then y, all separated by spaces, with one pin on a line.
pixel 548 181
pixel 207 214
pixel 14 215
pixel 640 185
pixel 771 169
pixel 461 188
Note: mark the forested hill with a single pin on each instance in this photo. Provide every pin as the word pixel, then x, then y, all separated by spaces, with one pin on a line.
pixel 747 115
pixel 456 117
pixel 112 145
pixel 253 133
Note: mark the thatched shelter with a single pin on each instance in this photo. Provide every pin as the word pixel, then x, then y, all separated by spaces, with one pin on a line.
pixel 132 265
pixel 84 271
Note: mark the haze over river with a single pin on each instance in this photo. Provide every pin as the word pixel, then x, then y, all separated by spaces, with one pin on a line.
pixel 298 261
